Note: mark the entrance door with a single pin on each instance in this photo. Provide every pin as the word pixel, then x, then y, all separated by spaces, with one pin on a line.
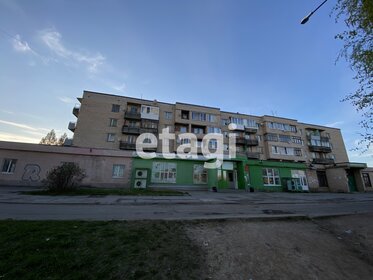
pixel 351 181
pixel 232 179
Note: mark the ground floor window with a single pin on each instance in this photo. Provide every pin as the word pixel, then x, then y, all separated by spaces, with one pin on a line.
pixel 164 172
pixel 9 165
pixel 199 174
pixel 300 175
pixel 118 171
pixel 366 180
pixel 271 177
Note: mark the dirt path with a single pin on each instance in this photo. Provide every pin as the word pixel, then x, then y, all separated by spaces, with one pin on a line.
pixel 333 248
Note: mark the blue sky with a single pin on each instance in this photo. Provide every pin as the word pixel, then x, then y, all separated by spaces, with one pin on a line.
pixel 249 56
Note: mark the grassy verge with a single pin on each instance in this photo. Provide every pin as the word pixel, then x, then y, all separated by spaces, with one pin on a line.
pixel 98 191
pixel 97 250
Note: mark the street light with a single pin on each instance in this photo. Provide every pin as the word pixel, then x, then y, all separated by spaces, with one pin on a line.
pixel 306 18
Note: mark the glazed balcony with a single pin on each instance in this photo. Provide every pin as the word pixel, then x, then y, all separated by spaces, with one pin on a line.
pixel 132 115
pixel 124 145
pixel 319 149
pixel 130 130
pixel 153 130
pixel 72 126
pixel 253 155
pixel 323 161
pixel 240 141
pixel 252 142
pixel 251 129
pixel 76 110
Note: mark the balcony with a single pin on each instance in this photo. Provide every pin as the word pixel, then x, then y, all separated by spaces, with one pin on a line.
pixel 323 161
pixel 76 110
pixel 253 155
pixel 132 115
pixel 149 130
pixel 72 126
pixel 123 145
pixel 252 142
pixel 251 129
pixel 240 141
pixel 320 149
pixel 130 130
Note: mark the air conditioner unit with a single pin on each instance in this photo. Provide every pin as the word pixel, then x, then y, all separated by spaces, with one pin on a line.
pixel 140 184
pixel 141 174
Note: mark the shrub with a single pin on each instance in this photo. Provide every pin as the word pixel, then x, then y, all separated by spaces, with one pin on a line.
pixel 65 177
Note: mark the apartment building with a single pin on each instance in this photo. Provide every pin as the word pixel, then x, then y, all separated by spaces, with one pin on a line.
pixel 272 153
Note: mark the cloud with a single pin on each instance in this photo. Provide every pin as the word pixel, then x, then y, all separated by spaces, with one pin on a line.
pixel 335 124
pixel 17 138
pixel 19 125
pixel 66 99
pixel 120 88
pixel 20 46
pixel 53 40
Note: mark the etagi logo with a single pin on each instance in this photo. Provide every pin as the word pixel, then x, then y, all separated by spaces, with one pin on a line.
pixel 188 149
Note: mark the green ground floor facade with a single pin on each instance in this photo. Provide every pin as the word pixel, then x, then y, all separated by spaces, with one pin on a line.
pixel 232 174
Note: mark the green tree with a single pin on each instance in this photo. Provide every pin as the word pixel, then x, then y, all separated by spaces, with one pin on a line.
pixel 358 51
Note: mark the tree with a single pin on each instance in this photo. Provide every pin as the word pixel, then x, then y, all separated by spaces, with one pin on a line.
pixel 358 51
pixel 51 139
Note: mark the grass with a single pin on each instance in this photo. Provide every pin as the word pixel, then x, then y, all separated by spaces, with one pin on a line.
pixel 97 250
pixel 99 191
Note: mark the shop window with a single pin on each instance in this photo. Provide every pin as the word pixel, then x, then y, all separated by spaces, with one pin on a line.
pixel 271 177
pixel 199 174
pixel 164 172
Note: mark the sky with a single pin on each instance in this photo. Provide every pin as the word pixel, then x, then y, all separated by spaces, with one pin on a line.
pixel 247 56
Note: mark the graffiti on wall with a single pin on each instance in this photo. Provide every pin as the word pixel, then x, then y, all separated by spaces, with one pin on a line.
pixel 31 173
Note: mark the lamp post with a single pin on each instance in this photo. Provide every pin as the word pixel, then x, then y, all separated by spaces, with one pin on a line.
pixel 306 18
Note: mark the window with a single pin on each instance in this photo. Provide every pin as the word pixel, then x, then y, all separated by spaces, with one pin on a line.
pixel 366 180
pixel 9 165
pixel 284 138
pixel 118 171
pixel 168 115
pixel 164 172
pixel 251 123
pixel 271 137
pixel 289 151
pixel 213 130
pixel 184 141
pixel 115 108
pixel 224 122
pixel 198 130
pixel 298 152
pixel 185 115
pixel 237 120
pixel 113 122
pixel 197 116
pixel 271 177
pixel 131 139
pixel 297 140
pixel 110 137
pixel 133 108
pixel 213 144
pixel 210 118
pixel 282 126
pixel 300 175
pixel 199 174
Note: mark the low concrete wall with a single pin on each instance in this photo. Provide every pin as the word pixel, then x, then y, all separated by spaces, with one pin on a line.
pixel 33 161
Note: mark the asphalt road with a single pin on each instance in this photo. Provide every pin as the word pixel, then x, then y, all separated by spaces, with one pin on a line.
pixel 199 205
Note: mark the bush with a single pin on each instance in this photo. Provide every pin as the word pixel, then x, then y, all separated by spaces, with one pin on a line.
pixel 65 177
